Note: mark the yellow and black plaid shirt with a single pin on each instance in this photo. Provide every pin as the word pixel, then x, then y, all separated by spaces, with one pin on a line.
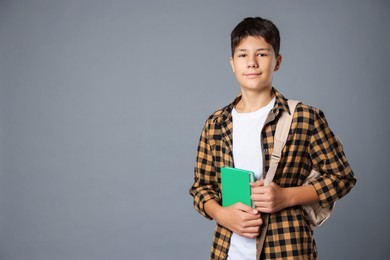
pixel 310 144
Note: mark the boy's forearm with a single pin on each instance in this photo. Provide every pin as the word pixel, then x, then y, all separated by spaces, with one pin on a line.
pixel 301 195
pixel 212 208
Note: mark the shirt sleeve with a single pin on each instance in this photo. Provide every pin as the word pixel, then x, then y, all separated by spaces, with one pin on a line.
pixel 205 185
pixel 328 157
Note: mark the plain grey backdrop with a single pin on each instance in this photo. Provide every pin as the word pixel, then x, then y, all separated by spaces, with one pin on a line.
pixel 102 104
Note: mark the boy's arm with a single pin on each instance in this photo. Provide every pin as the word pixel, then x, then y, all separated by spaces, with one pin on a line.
pixel 272 198
pixel 205 186
pixel 328 158
pixel 238 218
pixel 327 155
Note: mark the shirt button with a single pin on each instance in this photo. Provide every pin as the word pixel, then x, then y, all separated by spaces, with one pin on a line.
pixel 265 150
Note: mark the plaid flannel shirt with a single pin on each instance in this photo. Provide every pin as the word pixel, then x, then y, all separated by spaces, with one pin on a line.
pixel 310 143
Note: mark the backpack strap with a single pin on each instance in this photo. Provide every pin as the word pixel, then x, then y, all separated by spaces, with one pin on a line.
pixel 281 133
pixel 280 138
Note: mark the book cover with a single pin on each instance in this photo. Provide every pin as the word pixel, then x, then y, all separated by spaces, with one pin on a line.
pixel 235 186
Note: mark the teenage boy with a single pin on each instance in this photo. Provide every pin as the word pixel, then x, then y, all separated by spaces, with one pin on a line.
pixel 241 135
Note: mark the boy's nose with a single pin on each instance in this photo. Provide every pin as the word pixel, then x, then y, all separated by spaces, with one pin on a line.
pixel 252 63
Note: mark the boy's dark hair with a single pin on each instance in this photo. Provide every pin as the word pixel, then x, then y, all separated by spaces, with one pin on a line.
pixel 256 27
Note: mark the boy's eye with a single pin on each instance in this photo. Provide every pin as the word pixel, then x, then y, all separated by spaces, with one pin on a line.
pixel 241 55
pixel 262 54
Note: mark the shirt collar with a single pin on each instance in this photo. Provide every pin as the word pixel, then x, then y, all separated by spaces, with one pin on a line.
pixel 280 104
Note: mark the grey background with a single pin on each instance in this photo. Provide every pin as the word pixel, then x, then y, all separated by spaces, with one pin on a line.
pixel 102 104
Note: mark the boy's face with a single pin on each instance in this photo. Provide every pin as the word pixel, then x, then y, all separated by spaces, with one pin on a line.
pixel 253 64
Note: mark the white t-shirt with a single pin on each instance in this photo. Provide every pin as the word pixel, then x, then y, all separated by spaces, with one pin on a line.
pixel 247 155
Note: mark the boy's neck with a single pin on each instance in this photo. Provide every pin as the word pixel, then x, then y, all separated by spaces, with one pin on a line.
pixel 254 100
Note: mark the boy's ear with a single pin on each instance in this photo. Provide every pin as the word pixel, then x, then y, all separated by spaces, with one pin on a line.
pixel 232 64
pixel 278 62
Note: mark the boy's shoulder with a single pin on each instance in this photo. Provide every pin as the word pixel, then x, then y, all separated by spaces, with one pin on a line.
pixel 216 116
pixel 311 116
pixel 306 110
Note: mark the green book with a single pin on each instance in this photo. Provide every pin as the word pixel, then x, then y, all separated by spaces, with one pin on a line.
pixel 235 186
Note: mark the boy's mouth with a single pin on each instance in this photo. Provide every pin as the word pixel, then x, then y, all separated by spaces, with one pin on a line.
pixel 252 75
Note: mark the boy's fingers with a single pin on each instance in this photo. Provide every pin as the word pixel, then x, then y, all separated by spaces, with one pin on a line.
pixel 257 183
pixel 246 208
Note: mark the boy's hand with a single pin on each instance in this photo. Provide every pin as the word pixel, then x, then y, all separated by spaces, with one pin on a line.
pixel 241 219
pixel 268 199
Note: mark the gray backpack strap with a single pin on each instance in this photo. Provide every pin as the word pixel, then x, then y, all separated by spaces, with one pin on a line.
pixel 280 138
